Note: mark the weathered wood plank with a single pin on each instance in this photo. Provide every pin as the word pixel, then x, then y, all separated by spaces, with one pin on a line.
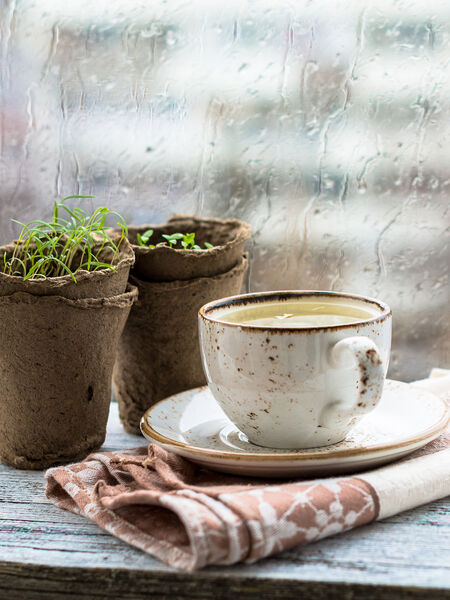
pixel 48 553
pixel 42 582
pixel 354 555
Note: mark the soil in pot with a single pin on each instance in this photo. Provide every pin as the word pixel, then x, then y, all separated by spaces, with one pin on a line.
pixel 56 362
pixel 163 263
pixel 159 352
pixel 101 283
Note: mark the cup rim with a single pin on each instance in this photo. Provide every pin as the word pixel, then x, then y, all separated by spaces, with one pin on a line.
pixel 254 297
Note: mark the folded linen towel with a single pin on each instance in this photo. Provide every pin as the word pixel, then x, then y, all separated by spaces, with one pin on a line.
pixel 190 517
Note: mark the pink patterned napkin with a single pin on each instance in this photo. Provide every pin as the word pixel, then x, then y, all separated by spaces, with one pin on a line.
pixel 190 517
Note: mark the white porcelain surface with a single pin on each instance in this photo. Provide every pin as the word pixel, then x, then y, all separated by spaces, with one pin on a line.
pixel 193 425
pixel 296 387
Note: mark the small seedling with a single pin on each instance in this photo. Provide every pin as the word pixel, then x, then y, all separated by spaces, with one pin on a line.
pixel 187 240
pixel 66 244
pixel 173 238
pixel 143 239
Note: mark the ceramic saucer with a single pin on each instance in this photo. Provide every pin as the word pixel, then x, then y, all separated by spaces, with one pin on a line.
pixel 193 425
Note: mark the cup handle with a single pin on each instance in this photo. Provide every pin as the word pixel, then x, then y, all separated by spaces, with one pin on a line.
pixel 370 378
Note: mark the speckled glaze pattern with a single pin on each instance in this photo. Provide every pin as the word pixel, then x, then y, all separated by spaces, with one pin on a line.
pixel 297 387
pixel 193 425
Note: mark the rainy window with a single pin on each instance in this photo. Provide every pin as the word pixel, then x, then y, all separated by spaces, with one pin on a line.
pixel 326 129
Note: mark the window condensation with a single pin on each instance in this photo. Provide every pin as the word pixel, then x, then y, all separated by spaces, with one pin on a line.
pixel 323 124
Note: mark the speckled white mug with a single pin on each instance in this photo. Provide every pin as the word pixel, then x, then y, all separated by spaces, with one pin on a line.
pixel 295 387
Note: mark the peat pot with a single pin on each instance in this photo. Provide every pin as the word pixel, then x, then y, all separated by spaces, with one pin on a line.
pixel 57 350
pixel 163 263
pixel 159 351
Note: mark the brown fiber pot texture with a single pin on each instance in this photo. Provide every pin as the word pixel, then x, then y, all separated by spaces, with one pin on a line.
pixel 56 362
pixel 159 352
pixel 171 264
pixel 95 284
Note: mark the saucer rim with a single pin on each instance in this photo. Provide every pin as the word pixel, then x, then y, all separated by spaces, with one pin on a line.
pixel 429 434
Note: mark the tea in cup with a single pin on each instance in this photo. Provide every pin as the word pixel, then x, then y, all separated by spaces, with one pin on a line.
pixel 295 369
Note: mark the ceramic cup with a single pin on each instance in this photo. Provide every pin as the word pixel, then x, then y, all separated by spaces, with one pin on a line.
pixel 299 387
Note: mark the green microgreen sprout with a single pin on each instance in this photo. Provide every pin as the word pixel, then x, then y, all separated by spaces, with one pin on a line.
pixel 187 240
pixel 71 241
pixel 173 238
pixel 144 238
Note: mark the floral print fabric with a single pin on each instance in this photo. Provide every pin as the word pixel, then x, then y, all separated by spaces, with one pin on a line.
pixel 190 517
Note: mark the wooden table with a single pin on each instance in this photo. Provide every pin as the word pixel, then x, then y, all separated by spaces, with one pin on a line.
pixel 47 553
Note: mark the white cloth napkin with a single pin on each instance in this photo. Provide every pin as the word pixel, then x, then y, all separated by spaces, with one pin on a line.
pixel 423 477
